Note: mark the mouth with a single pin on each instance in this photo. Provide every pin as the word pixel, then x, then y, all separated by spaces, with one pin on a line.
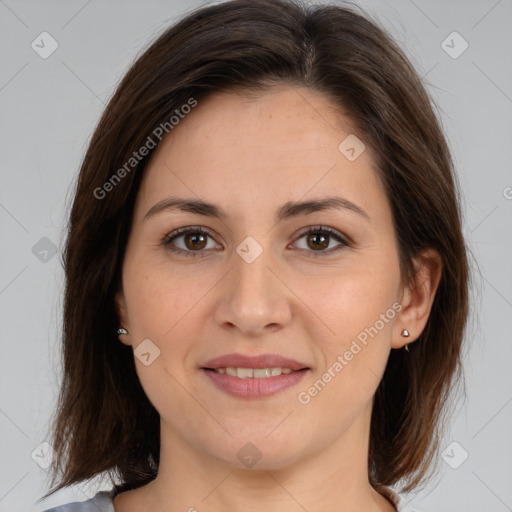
pixel 254 377
pixel 253 373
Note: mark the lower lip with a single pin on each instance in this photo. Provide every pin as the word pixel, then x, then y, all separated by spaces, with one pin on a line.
pixel 254 388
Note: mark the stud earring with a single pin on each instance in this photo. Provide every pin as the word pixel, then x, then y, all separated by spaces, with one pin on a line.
pixel 122 331
pixel 405 334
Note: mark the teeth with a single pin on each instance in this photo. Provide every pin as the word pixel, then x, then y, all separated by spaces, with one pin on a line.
pixel 261 373
pixel 244 373
pixel 253 373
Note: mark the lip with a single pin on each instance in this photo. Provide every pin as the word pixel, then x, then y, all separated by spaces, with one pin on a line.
pixel 260 361
pixel 254 388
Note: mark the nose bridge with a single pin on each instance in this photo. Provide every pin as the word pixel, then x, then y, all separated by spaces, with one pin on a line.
pixel 255 297
pixel 252 279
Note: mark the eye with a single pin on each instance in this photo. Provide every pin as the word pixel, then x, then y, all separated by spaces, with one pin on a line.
pixel 319 238
pixel 195 240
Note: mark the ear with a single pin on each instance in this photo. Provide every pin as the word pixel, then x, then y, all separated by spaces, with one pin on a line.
pixel 418 298
pixel 122 315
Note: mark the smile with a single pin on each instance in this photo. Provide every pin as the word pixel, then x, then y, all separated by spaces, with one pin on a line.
pixel 253 383
pixel 253 376
pixel 253 373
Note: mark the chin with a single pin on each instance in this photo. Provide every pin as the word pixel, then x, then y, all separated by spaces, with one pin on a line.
pixel 257 451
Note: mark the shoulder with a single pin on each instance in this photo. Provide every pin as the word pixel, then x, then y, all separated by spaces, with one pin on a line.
pixel 103 501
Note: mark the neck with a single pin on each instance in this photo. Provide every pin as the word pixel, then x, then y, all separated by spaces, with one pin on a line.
pixel 332 479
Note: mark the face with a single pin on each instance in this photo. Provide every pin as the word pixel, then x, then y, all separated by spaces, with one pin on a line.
pixel 319 286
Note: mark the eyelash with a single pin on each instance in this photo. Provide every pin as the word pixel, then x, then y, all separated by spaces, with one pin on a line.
pixel 324 230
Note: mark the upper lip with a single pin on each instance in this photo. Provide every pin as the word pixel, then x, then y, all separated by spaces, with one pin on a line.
pixel 260 361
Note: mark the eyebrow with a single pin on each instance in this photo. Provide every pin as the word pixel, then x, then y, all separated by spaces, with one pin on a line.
pixel 288 210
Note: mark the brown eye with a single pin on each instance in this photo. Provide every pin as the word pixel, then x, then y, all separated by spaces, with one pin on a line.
pixel 319 238
pixel 318 241
pixel 195 241
pixel 191 241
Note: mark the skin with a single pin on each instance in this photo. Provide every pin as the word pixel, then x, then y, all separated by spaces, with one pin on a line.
pixel 250 156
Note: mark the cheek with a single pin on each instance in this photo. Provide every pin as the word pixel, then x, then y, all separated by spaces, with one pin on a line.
pixel 360 310
pixel 355 301
pixel 162 307
pixel 161 311
pixel 354 357
pixel 161 300
pixel 169 391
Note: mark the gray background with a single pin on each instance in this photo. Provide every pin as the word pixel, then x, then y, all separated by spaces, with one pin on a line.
pixel 49 108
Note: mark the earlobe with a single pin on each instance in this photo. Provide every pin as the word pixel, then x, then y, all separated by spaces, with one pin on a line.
pixel 418 298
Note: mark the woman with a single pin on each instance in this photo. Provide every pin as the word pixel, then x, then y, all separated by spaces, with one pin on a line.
pixel 266 279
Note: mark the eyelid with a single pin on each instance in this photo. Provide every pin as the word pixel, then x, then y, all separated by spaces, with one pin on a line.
pixel 189 229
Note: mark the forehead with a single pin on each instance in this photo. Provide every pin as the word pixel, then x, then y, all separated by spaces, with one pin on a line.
pixel 238 149
pixel 282 117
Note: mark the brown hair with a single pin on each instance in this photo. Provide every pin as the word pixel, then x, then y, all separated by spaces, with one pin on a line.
pixel 104 422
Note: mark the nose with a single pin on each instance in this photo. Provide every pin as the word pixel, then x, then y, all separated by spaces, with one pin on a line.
pixel 254 298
